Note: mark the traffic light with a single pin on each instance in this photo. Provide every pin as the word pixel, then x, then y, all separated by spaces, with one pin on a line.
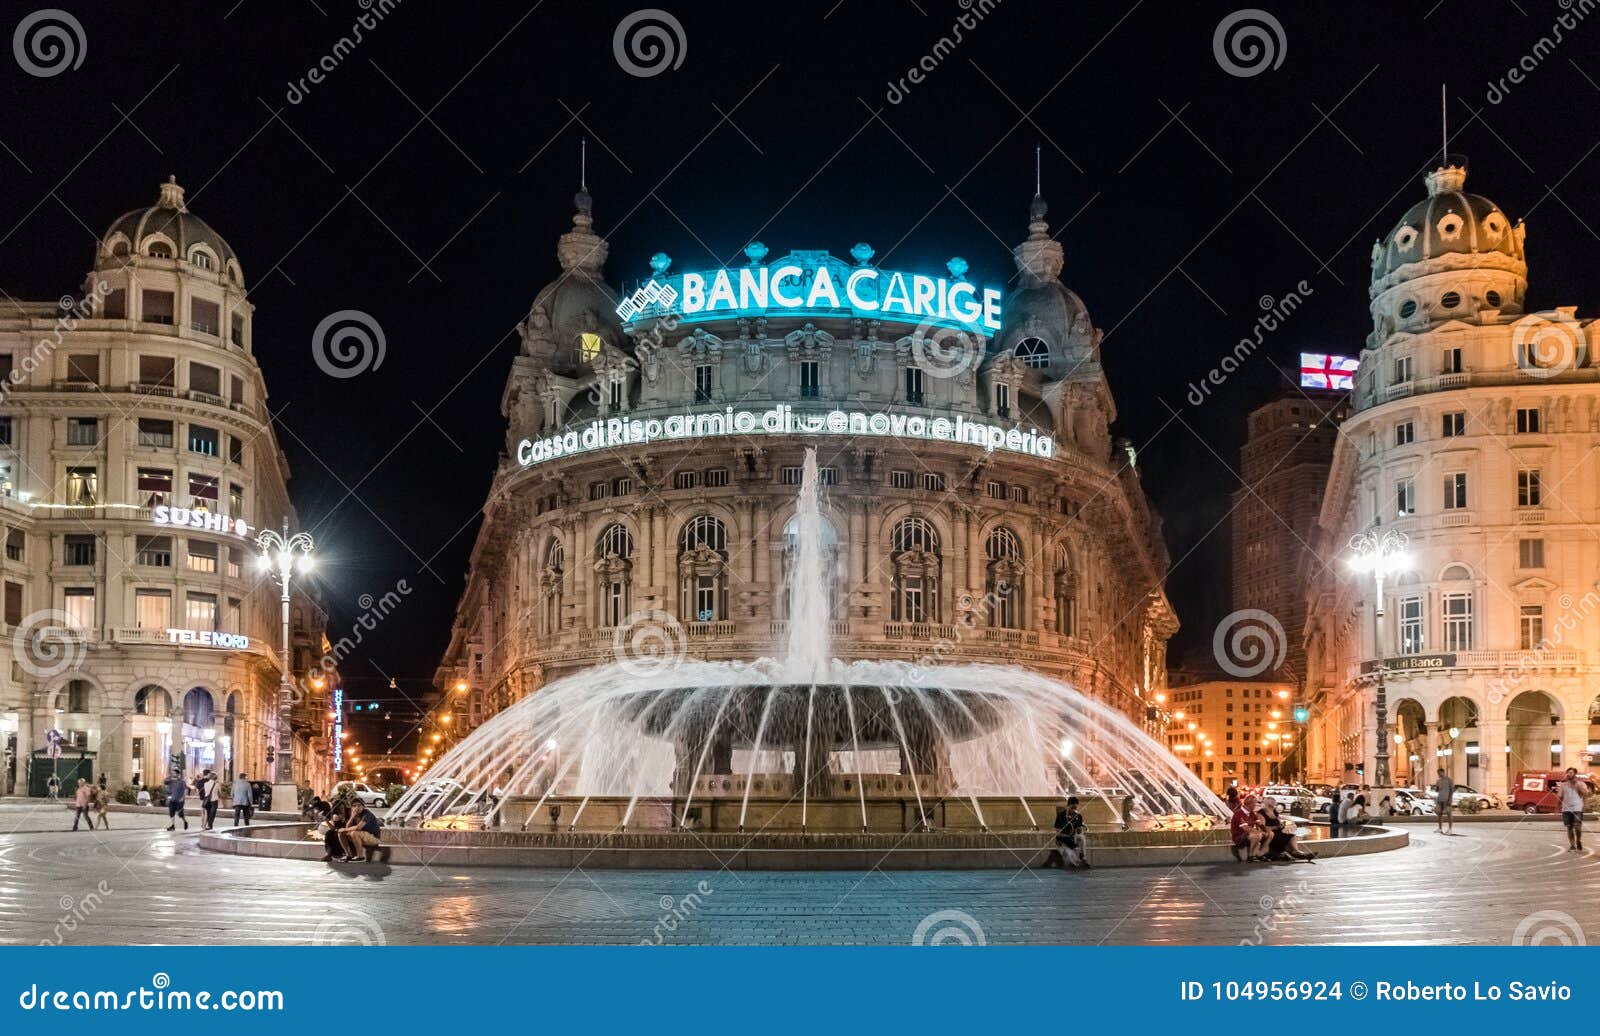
pixel 1301 714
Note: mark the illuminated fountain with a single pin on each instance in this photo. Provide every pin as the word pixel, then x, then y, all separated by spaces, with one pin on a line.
pixel 805 743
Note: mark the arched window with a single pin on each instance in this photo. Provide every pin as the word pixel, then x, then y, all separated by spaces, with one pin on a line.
pixel 830 566
pixel 159 250
pixel 151 701
pixel 589 347
pixel 198 709
pixel 702 570
pixel 613 568
pixel 917 562
pixel 1066 593
pixel 551 582
pixel 201 259
pixel 1455 605
pixel 1004 584
pixel 1034 352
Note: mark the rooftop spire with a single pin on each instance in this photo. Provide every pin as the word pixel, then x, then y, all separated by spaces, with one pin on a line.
pixel 1039 257
pixel 171 195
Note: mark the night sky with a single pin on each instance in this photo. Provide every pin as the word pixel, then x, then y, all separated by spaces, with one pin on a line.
pixel 426 179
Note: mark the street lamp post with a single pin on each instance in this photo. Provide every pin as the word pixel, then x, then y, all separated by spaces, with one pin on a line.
pixel 281 556
pixel 1382 555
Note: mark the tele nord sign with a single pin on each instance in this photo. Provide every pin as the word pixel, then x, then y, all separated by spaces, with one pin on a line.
pixel 816 284
pixel 782 420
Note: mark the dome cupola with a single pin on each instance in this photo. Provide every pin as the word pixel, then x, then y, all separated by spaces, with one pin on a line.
pixel 168 233
pixel 575 315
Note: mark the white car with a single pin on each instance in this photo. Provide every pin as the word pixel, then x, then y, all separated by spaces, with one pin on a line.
pixel 1287 795
pixel 369 796
pixel 1464 792
pixel 1412 802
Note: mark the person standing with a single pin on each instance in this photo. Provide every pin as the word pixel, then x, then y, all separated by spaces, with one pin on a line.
pixel 1444 798
pixel 102 807
pixel 1573 791
pixel 208 787
pixel 176 790
pixel 1334 813
pixel 80 804
pixel 244 805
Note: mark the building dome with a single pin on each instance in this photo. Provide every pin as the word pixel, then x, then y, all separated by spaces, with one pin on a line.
pixel 168 230
pixel 1450 224
pixel 579 302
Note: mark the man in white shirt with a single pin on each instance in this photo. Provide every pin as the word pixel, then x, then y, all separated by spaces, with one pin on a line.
pixel 1573 791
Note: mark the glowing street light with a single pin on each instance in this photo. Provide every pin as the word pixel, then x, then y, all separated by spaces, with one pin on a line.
pixel 282 555
pixel 1382 555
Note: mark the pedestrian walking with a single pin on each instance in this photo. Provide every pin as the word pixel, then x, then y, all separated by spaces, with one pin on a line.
pixel 1573 790
pixel 244 805
pixel 1444 798
pixel 102 807
pixel 207 785
pixel 176 790
pixel 80 804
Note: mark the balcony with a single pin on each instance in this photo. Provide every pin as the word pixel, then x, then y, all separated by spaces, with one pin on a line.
pixel 920 631
pixel 1459 379
pixel 1530 516
pixel 1399 390
pixel 710 630
pixel 779 628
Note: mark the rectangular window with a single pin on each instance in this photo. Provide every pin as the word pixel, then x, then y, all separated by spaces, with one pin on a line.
pixel 83 431
pixel 79 606
pixel 203 490
pixel 1528 422
pixel 235 564
pixel 155 433
pixel 1531 631
pixel 205 316
pixel 599 490
pixel 158 371
pixel 790 475
pixel 702 383
pixel 236 390
pixel 996 490
pixel 1458 621
pixel 5 431
pixel 77 549
pixel 1452 362
pixel 621 486
pixel 83 486
pixel 616 395
pixel 155 486
pixel 1455 491
pixel 901 480
pixel 236 330
pixel 200 611
pixel 1411 626
pixel 15 544
pixel 1530 553
pixel 716 478
pixel 1405 492
pixel 1017 494
pixel 1528 489
pixel 205 379
pixel 932 482
pixel 202 440
pixel 686 480
pixel 116 307
pixel 810 379
pixel 1455 424
pixel 705 598
pixel 13 614
pixel 235 450
pixel 235 499
pixel 1002 400
pixel 153 551
pixel 84 368
pixel 157 307
pixel 152 609
pixel 202 556
pixel 827 476
pixel 1402 370
pixel 914 385
pixel 1404 433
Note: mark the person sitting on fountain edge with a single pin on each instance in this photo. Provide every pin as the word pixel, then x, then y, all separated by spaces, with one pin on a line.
pixel 1069 850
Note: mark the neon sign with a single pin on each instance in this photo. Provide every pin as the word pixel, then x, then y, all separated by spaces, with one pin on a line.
pixel 782 420
pixel 1321 371
pixel 207 521
pixel 817 284
pixel 208 638
pixel 338 727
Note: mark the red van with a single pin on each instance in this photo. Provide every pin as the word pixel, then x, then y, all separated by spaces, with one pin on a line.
pixel 1534 791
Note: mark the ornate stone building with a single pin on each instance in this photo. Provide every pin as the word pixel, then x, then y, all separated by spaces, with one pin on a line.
pixel 137 461
pixel 1474 433
pixel 976 506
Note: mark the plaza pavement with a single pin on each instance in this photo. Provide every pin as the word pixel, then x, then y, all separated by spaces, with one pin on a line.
pixel 1489 883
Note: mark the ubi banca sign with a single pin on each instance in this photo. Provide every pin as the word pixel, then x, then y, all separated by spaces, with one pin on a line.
pixel 816 284
pixel 782 420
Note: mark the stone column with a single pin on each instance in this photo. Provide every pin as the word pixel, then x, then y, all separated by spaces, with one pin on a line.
pixel 645 568
pixel 115 748
pixel 25 730
pixel 875 564
pixel 1575 739
pixel 762 551
pixel 660 552
pixel 1492 741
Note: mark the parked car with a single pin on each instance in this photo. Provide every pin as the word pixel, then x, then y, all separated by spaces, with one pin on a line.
pixel 1534 791
pixel 1288 795
pixel 1464 792
pixel 437 795
pixel 369 796
pixel 1413 802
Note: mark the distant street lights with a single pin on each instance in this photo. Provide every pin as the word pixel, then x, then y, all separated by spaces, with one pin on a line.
pixel 1383 555
pixel 282 555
